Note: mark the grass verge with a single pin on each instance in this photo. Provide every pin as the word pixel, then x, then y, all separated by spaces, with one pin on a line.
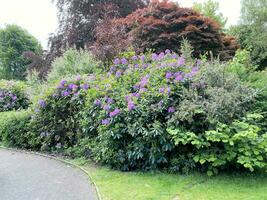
pixel 116 185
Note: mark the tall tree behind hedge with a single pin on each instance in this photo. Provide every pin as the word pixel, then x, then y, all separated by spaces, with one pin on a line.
pixel 78 19
pixel 14 41
pixel 211 9
pixel 252 30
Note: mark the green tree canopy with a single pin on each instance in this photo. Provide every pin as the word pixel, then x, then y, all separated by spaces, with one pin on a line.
pixel 14 41
pixel 252 30
pixel 211 9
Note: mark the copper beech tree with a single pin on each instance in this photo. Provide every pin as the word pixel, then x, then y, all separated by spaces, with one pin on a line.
pixel 164 24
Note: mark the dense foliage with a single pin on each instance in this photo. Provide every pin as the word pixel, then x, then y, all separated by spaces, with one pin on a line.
pixel 56 114
pixel 211 9
pixel 252 31
pixel 78 19
pixel 14 129
pixel 14 41
pixel 13 95
pixel 163 25
pixel 73 62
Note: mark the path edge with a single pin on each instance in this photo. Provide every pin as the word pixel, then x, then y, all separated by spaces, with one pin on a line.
pixel 99 197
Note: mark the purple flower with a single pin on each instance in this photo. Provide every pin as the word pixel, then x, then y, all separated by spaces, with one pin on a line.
pixel 124 61
pixel 171 110
pixel 109 100
pixel 118 73
pixel 178 77
pixel 112 68
pixel 174 56
pixel 162 90
pixel 161 56
pixel 63 82
pixel 143 58
pixel 134 58
pixel 136 94
pixel 127 98
pixel 144 80
pixel 72 86
pixel 131 105
pixel 42 103
pixel 65 93
pixel 116 61
pixel 114 113
pixel 97 102
pixel 168 90
pixel 14 98
pixel 168 75
pixel 142 90
pixel 78 78
pixel 85 86
pixel 105 121
pixel 181 61
pixel 136 66
pixel 154 56
pixel 106 107
pixel 167 51
pixel 199 62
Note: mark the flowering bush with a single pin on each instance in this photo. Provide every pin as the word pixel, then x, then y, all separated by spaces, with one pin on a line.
pixel 56 114
pixel 144 95
pixel 12 95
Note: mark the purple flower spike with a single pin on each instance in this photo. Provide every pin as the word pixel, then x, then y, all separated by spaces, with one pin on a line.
pixel 124 61
pixel 114 113
pixel 161 56
pixel 171 110
pixel 105 121
pixel 168 75
pixel 178 77
pixel 42 103
pixel 97 102
pixel 136 94
pixel 131 105
pixel 112 69
pixel 117 61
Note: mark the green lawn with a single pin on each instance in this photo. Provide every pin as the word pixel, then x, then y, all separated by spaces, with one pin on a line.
pixel 116 185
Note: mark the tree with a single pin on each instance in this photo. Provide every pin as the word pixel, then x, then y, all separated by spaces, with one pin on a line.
pixel 78 19
pixel 252 30
pixel 14 41
pixel 211 9
pixel 163 25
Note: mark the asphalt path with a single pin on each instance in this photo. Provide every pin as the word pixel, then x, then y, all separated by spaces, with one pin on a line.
pixel 31 177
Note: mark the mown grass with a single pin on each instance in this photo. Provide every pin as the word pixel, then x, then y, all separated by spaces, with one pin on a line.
pixel 116 185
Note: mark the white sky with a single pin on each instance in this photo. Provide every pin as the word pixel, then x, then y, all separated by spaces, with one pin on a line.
pixel 39 17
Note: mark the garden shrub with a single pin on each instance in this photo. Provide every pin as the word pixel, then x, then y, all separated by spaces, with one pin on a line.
pixel 13 95
pixel 240 144
pixel 73 62
pixel 128 111
pixel 163 25
pixel 55 120
pixel 14 129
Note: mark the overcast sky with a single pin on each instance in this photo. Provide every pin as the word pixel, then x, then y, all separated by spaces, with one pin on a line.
pixel 39 16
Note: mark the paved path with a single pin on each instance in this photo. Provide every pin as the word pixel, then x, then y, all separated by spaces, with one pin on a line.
pixel 30 177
